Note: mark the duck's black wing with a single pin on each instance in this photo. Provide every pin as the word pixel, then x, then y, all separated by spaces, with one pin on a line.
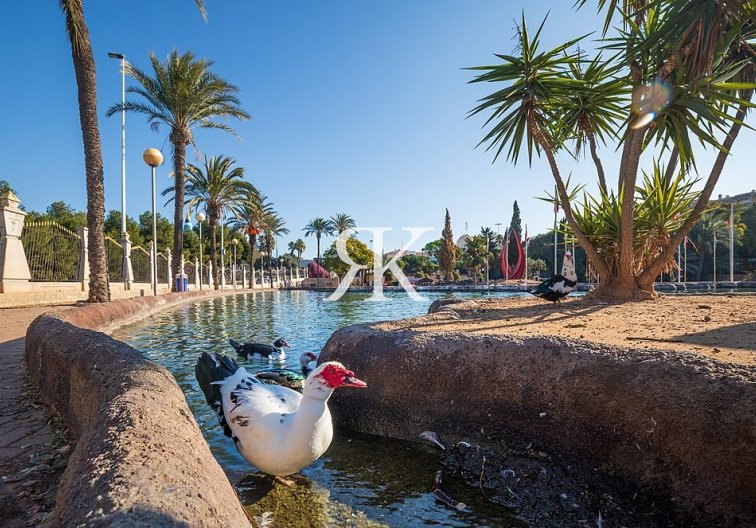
pixel 554 288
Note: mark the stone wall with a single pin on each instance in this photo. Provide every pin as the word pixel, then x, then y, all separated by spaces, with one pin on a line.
pixel 680 425
pixel 140 458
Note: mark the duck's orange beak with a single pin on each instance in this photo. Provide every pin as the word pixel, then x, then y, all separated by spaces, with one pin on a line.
pixel 351 381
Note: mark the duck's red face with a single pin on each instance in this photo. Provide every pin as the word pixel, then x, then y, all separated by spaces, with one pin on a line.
pixel 337 375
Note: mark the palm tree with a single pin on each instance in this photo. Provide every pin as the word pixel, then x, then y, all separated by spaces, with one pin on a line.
pixel 318 227
pixel 475 255
pixel 183 94
pixel 254 213
pixel 84 67
pixel 341 222
pixel 299 246
pixel 273 228
pixel 219 188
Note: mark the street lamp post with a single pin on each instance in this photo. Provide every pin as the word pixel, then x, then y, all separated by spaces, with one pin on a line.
pixel 127 273
pixel 234 242
pixel 223 256
pixel 200 217
pixel 153 158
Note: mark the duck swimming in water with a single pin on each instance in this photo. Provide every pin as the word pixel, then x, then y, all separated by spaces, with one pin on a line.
pixel 291 379
pixel 261 350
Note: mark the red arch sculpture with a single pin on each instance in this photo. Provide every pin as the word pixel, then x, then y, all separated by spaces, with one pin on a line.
pixel 518 270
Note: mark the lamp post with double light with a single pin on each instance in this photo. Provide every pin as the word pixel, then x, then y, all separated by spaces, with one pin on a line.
pixel 154 158
pixel 200 217
pixel 127 272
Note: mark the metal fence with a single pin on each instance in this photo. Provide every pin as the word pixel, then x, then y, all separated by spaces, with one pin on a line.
pixel 52 251
pixel 189 270
pixel 140 264
pixel 162 267
pixel 115 259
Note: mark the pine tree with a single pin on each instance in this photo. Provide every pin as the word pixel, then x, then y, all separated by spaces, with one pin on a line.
pixel 447 258
pixel 514 225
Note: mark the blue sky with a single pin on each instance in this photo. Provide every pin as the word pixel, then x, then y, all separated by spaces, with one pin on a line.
pixel 357 107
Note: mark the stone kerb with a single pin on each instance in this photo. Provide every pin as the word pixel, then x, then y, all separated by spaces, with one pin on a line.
pixel 140 458
pixel 683 425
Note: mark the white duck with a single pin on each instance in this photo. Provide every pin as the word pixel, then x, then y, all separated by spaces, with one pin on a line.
pixel 276 429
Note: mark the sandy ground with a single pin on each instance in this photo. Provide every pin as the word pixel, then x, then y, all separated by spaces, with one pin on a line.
pixel 719 326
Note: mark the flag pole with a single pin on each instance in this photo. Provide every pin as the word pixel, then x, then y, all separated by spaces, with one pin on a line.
pixel 715 260
pixel 732 242
pixel 556 210
pixel 526 253
pixel 506 258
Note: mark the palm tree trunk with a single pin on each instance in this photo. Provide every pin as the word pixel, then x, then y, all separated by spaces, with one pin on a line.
pixel 318 239
pixel 213 221
pixel 646 278
pixel 252 244
pixel 701 261
pixel 671 166
pixel 596 159
pixel 623 284
pixel 179 141
pixel 84 67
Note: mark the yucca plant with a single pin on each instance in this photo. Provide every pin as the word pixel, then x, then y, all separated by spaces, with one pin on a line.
pixel 660 207
pixel 677 72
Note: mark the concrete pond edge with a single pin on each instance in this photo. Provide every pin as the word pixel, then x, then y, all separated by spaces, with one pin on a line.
pixel 140 457
pixel 678 424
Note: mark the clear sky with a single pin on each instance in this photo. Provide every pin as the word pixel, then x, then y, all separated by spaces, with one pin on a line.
pixel 357 106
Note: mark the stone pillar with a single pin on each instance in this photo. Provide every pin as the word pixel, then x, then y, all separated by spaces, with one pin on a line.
pixel 14 269
pixel 243 274
pixel 168 273
pixel 210 282
pixel 82 274
pixel 127 271
pixel 196 273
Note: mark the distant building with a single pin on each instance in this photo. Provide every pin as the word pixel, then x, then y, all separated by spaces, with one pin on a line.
pixel 747 198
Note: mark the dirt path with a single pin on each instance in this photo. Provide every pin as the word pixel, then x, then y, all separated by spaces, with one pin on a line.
pixel 32 453
pixel 719 326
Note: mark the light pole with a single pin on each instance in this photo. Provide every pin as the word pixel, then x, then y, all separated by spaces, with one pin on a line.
pixel 200 217
pixel 153 158
pixel 127 273
pixel 223 256
pixel 234 243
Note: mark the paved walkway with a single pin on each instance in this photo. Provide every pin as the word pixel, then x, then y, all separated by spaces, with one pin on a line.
pixel 26 438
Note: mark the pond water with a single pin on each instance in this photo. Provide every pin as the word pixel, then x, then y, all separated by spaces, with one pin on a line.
pixel 361 480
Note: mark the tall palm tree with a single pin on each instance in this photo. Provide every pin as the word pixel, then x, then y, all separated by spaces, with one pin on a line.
pixel 254 212
pixel 274 226
pixel 298 247
pixel 182 94
pixel 84 67
pixel 219 188
pixel 318 226
pixel 341 222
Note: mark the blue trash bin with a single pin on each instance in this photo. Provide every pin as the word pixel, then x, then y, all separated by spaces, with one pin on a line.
pixel 182 282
